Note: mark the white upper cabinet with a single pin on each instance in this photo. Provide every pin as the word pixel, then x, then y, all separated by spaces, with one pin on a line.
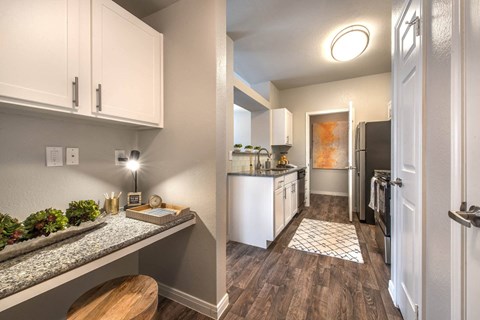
pixel 282 127
pixel 39 55
pixel 76 56
pixel 126 65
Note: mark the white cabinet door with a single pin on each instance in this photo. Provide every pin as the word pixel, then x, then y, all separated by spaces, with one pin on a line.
pixel 126 65
pixel 288 203
pixel 294 198
pixel 279 211
pixel 39 55
pixel 282 127
pixel 289 127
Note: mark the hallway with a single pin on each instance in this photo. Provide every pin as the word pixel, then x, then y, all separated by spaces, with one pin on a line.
pixel 283 283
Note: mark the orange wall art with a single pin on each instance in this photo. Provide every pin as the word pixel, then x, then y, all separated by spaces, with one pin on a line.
pixel 330 145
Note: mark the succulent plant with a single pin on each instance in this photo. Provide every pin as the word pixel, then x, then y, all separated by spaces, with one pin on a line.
pixel 248 147
pixel 82 211
pixel 11 230
pixel 44 222
pixel 237 145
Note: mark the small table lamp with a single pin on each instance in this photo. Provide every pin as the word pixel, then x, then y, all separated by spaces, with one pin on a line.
pixel 133 165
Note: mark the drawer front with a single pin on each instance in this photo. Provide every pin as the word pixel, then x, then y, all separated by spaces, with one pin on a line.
pixel 279 182
pixel 291 177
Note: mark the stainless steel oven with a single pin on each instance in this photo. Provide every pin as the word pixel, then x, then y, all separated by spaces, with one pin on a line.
pixel 382 213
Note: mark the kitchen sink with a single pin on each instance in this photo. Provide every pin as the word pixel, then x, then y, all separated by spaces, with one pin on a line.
pixel 275 169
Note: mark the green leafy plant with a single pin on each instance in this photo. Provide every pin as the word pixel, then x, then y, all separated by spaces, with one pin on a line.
pixel 44 222
pixel 257 148
pixel 248 147
pixel 238 145
pixel 11 230
pixel 82 211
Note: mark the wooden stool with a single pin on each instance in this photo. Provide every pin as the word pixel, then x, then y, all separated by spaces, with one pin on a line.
pixel 130 297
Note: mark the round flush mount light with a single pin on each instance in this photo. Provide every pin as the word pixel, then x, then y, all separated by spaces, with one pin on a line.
pixel 350 43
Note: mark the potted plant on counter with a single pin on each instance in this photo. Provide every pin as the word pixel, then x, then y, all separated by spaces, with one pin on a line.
pixel 237 147
pixel 11 230
pixel 44 222
pixel 256 149
pixel 248 148
pixel 82 211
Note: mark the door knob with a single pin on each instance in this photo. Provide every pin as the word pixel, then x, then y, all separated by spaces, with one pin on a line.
pixel 398 182
pixel 467 218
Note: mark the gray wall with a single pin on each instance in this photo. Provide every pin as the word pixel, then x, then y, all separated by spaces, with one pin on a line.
pixel 186 160
pixel 370 96
pixel 27 185
pixel 54 304
pixel 328 181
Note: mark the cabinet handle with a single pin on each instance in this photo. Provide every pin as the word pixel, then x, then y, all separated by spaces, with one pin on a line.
pixel 99 97
pixel 75 99
pixel 284 193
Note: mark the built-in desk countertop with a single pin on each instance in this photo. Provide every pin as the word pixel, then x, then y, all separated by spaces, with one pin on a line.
pixel 29 275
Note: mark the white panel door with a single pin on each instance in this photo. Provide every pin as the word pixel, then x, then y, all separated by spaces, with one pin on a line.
pixel 407 214
pixel 126 65
pixel 465 173
pixel 39 55
pixel 351 168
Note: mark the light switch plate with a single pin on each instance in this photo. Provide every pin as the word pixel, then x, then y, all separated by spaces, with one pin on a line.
pixel 72 156
pixel 119 154
pixel 54 156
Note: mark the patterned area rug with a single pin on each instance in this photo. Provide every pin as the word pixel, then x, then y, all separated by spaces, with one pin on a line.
pixel 332 239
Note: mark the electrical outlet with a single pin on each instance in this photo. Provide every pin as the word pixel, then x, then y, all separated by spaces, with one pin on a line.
pixel 119 154
pixel 72 157
pixel 54 156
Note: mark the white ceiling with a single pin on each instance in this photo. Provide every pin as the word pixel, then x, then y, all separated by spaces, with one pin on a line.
pixel 288 41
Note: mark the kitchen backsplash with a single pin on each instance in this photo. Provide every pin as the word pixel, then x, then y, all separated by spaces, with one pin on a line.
pixel 241 161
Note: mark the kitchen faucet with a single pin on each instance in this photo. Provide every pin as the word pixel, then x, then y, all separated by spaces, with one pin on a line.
pixel 258 166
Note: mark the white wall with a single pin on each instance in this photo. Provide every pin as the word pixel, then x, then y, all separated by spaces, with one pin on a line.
pixel 328 181
pixel 242 126
pixel 370 96
pixel 186 161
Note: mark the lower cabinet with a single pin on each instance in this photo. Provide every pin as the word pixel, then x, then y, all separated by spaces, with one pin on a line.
pixel 259 208
pixel 279 211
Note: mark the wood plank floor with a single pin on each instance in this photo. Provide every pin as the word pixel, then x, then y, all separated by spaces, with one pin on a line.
pixel 283 283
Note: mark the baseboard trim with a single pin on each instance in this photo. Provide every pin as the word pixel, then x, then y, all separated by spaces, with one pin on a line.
pixel 330 193
pixel 391 290
pixel 194 303
pixel 222 306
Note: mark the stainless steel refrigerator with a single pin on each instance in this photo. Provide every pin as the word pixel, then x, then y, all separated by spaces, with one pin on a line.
pixel 372 152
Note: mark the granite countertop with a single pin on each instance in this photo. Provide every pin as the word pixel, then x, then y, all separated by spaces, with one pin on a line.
pixel 263 173
pixel 35 267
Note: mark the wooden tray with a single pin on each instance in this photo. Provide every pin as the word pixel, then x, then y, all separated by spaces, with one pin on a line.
pixel 141 213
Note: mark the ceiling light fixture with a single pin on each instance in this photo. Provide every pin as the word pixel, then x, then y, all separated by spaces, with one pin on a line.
pixel 350 43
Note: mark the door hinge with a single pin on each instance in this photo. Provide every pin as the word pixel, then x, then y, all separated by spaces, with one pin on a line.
pixel 416 312
pixel 416 23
